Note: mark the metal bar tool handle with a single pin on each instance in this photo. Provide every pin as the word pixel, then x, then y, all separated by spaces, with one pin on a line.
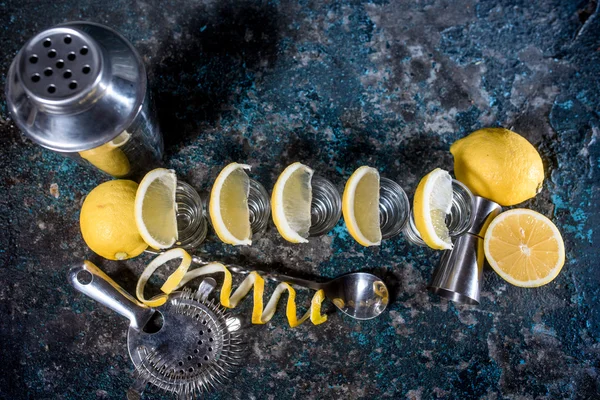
pixel 269 275
pixel 91 281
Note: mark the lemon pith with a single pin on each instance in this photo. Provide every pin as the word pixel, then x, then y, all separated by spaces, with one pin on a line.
pixel 228 207
pixel 290 202
pixel 498 164
pixel 524 247
pixel 107 221
pixel 360 206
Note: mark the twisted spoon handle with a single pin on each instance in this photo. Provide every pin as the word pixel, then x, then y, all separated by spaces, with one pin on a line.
pixel 269 275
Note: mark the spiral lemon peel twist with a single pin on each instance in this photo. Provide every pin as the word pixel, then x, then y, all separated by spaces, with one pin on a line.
pixel 260 315
pixel 171 282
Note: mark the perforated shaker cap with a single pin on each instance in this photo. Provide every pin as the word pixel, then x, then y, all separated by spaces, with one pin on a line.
pixel 75 86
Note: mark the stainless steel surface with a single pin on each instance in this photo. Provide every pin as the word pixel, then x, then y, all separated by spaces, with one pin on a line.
pixel 60 63
pixel 196 350
pixel 459 273
pixel 91 281
pixel 359 295
pixel 77 86
pixel 484 211
pixel 193 348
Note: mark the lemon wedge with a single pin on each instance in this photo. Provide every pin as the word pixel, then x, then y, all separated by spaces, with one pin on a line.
pixel 360 206
pixel 524 247
pixel 156 208
pixel 228 206
pixel 432 201
pixel 290 202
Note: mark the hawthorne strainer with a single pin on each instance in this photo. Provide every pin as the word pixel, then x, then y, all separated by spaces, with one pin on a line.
pixel 187 347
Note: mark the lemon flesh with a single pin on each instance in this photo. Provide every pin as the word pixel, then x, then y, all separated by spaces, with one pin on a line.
pixel 228 206
pixel 107 221
pixel 290 203
pixel 498 164
pixel 156 208
pixel 524 247
pixel 431 204
pixel 360 206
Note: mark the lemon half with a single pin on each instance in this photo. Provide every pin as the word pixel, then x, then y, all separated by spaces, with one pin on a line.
pixel 524 247
pixel 109 157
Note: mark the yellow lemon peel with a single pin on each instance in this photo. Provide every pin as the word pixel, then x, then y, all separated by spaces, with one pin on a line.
pixel 254 280
pixel 260 315
pixel 171 282
pixel 109 157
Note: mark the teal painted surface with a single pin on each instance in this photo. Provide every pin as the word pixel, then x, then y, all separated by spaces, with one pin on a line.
pixel 335 85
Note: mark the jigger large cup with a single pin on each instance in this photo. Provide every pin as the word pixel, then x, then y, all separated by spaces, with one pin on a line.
pixel 460 271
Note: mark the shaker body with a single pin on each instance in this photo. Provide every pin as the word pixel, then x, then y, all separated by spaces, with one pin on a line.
pixel 80 89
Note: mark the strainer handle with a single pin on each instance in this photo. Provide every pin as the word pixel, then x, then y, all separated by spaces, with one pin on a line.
pixel 91 281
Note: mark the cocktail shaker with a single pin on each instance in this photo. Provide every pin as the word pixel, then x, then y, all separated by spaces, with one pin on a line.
pixel 81 89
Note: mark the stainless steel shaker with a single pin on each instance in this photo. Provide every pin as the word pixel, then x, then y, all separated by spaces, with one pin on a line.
pixel 81 89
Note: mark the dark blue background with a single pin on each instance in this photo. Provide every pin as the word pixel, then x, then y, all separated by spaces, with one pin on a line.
pixel 335 85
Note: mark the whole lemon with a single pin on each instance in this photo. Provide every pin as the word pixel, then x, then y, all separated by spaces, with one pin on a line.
pixel 498 164
pixel 107 221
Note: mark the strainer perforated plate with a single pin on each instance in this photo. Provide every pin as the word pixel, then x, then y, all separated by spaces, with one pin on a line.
pixel 195 351
pixel 60 63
